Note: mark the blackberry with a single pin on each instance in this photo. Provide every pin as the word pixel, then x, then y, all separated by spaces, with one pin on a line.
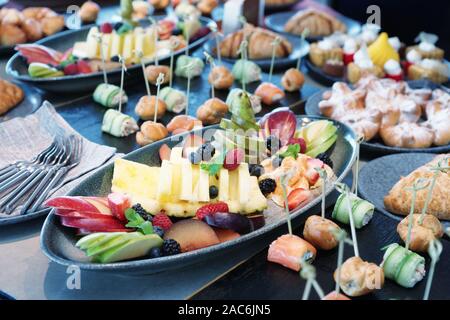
pixel 115 58
pixel 213 192
pixel 206 151
pixel 155 253
pixel 170 247
pixel 273 144
pixel 195 158
pixel 267 186
pixel 118 25
pixel 325 159
pixel 159 231
pixel 177 32
pixel 142 212
pixel 256 170
pixel 276 161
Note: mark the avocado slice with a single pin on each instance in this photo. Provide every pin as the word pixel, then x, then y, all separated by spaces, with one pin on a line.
pixel 115 241
pixel 322 147
pixel 133 248
pixel 322 138
pixel 95 239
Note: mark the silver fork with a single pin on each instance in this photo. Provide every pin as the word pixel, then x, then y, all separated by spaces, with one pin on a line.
pixel 58 172
pixel 12 200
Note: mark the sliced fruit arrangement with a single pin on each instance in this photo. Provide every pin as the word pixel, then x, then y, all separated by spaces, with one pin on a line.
pixel 110 41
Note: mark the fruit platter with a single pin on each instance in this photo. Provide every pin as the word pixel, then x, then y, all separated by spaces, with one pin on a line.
pixel 398 126
pixel 72 60
pixel 225 219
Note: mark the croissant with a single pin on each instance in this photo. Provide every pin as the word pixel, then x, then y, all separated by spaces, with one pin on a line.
pixel 407 135
pixel 51 25
pixel 212 111
pixel 32 29
pixel 10 96
pixel 364 122
pixel 151 132
pixel 439 123
pixel 318 23
pixel 38 13
pixel 11 16
pixel 259 43
pixel 398 200
pixel 145 108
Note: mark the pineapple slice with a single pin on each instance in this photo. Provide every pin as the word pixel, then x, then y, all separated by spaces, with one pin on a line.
pixel 176 160
pixel 149 45
pixel 92 42
pixel 244 184
pixel 116 44
pixel 257 200
pixel 203 186
pixel 224 185
pixel 186 181
pixel 135 178
pixel 106 43
pixel 128 47
pixel 165 186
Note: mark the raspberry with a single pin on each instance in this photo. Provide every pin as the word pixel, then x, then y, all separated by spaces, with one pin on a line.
pixel 162 220
pixel 106 27
pixel 233 159
pixel 209 209
pixel 71 69
pixel 83 67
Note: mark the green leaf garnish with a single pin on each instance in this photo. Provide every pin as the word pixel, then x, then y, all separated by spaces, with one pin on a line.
pixel 292 151
pixel 214 166
pixel 136 221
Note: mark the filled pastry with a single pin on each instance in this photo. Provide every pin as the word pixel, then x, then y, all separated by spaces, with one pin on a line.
pixel 292 80
pixel 259 44
pixel 109 95
pixel 118 124
pixel 212 111
pixel 398 199
pixel 358 277
pixel 319 23
pixel 10 96
pixel 151 132
pixel 421 233
pixel 220 78
pixel 152 72
pixel 145 108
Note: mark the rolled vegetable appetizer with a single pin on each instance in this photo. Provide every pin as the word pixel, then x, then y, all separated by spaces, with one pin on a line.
pixel 195 70
pixel 175 100
pixel 269 93
pixel 289 250
pixel 403 266
pixel 422 234
pixel 246 71
pixel 319 232
pixel 362 211
pixel 108 95
pixel 255 101
pixel 118 124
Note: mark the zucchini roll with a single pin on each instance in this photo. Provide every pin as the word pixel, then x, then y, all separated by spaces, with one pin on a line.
pixel 362 210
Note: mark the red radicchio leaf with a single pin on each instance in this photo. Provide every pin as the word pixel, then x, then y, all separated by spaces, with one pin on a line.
pixel 281 123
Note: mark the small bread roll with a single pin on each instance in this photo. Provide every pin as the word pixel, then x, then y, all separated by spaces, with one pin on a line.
pixel 151 132
pixel 89 11
pixel 32 29
pixel 421 234
pixel 11 35
pixel 51 25
pixel 359 277
pixel 292 80
pixel 145 108
pixel 212 111
pixel 207 6
pixel 153 72
pixel 220 78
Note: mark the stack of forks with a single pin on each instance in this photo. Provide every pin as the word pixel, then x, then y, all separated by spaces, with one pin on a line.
pixel 28 183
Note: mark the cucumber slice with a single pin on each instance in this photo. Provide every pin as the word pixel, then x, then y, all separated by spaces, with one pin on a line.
pixel 393 258
pixel 411 271
pixel 362 211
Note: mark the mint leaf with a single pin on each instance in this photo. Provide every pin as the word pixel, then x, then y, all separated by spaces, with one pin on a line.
pixel 292 151
pixel 136 221
pixel 214 166
pixel 146 227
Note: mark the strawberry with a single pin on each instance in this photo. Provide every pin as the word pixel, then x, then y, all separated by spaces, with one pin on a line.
pixel 162 220
pixel 211 208
pixel 311 173
pixel 106 27
pixel 164 152
pixel 83 67
pixel 297 197
pixel 233 158
pixel 71 69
